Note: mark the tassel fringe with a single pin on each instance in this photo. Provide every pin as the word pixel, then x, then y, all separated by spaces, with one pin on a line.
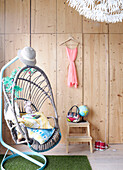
pixel 109 11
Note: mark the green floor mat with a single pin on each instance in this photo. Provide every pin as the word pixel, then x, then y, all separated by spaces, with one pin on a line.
pixel 53 163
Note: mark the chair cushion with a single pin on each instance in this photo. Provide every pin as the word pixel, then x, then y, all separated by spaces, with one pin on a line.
pixel 36 120
pixel 41 135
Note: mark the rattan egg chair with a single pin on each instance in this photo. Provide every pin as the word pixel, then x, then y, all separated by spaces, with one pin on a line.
pixel 37 89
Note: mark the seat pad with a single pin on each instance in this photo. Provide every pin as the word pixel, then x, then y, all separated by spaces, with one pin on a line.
pixel 41 135
pixel 35 120
pixel 37 125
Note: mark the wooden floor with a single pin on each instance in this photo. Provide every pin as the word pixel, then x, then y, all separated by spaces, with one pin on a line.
pixel 111 159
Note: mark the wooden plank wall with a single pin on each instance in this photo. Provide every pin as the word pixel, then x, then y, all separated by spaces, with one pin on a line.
pixel 116 88
pixel 99 60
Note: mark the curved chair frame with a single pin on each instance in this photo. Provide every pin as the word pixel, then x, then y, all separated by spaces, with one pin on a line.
pixel 13 150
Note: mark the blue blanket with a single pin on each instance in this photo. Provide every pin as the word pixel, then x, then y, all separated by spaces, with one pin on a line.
pixel 41 135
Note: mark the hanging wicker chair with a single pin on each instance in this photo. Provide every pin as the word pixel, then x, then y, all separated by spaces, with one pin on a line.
pixel 36 88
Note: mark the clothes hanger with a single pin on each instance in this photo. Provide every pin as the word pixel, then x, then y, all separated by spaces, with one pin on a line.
pixel 69 39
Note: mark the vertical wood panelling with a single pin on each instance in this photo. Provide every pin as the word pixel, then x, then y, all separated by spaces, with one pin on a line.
pixel 52 21
pixel 1 51
pixel 6 134
pixel 67 96
pixel 2 58
pixel 17 16
pixel 90 26
pixel 43 16
pixel 1 16
pixel 116 28
pixel 95 73
pixel 68 20
pixel 12 44
pixel 45 46
pixel 116 89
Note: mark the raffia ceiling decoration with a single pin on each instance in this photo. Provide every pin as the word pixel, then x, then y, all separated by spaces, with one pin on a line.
pixel 110 11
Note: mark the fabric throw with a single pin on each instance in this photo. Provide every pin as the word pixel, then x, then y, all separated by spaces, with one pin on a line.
pixel 36 120
pixel 37 125
pixel 41 135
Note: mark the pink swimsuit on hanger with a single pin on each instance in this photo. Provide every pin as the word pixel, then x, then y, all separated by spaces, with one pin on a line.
pixel 72 76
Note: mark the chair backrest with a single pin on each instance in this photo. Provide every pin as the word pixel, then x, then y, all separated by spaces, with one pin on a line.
pixel 36 88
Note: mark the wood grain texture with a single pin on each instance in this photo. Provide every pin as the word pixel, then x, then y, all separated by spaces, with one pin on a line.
pixel 45 46
pixel 17 16
pixel 1 51
pixel 12 44
pixel 90 26
pixel 68 20
pixel 95 90
pixel 6 134
pixel 1 16
pixel 66 96
pixel 43 16
pixel 53 20
pixel 116 89
pixel 116 28
pixel 2 61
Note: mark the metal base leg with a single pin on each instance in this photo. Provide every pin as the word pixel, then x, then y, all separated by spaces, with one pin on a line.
pixel 42 165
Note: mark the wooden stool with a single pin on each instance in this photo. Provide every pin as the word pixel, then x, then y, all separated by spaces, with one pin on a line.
pixel 75 138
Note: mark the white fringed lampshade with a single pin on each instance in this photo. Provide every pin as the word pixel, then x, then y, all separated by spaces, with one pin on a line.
pixel 109 11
